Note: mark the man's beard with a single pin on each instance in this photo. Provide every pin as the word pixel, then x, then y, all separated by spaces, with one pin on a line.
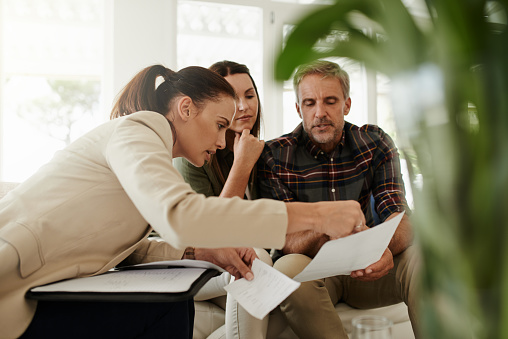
pixel 326 137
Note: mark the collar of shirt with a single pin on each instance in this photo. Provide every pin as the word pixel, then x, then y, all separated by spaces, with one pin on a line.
pixel 315 150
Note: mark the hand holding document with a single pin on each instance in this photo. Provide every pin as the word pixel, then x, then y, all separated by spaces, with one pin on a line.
pixel 157 282
pixel 355 252
pixel 265 292
pixel 337 257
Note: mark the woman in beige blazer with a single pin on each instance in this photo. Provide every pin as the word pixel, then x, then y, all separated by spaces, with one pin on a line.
pixel 97 200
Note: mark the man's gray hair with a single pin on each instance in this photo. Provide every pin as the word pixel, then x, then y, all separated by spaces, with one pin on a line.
pixel 324 68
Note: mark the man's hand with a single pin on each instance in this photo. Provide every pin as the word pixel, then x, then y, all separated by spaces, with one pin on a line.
pixel 377 269
pixel 236 261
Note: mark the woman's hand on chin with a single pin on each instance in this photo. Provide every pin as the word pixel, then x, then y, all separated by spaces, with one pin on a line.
pixel 247 149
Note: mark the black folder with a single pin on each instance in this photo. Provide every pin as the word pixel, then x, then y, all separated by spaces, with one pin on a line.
pixel 153 282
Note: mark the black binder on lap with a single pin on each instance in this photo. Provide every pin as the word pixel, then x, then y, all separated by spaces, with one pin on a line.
pixel 163 281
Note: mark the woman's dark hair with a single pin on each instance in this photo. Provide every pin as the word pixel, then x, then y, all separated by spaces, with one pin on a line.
pixel 142 93
pixel 226 68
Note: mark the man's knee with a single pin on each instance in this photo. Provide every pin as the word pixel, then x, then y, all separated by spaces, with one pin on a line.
pixel 264 256
pixel 292 264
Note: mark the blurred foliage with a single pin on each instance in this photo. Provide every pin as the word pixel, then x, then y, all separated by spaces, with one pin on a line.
pixel 68 102
pixel 449 75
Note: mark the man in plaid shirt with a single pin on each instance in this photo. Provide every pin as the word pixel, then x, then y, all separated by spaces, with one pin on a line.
pixel 327 158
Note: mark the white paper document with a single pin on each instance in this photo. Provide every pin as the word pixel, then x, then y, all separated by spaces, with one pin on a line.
pixel 351 253
pixel 263 293
pixel 172 276
pixel 174 280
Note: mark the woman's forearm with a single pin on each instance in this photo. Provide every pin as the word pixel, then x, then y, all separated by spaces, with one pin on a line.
pixel 334 218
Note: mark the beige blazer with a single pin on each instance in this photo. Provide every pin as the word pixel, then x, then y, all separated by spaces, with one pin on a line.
pixel 90 206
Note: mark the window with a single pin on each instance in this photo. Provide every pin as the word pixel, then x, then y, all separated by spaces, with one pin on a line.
pixel 50 79
pixel 209 32
pixel 50 50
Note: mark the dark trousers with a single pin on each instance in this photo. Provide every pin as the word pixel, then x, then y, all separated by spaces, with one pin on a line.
pixel 63 319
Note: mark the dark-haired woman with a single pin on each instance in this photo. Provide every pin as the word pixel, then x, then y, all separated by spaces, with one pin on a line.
pixel 231 173
pixel 96 201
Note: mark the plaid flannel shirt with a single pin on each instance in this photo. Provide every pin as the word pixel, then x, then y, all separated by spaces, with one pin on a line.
pixel 365 163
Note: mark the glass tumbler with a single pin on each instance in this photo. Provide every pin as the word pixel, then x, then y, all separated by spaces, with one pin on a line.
pixel 372 327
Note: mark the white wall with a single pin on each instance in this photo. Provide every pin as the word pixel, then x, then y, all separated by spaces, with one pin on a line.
pixel 137 34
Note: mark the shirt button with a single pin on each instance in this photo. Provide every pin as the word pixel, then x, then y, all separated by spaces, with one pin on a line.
pixel 315 157
pixel 333 190
pixel 331 159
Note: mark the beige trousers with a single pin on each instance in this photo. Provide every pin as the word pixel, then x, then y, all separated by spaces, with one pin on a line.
pixel 239 323
pixel 310 310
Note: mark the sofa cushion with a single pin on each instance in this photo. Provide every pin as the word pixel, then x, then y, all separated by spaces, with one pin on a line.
pixel 279 329
pixel 396 313
pixel 208 318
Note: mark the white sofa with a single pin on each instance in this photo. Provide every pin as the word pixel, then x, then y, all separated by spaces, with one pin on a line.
pixel 209 321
